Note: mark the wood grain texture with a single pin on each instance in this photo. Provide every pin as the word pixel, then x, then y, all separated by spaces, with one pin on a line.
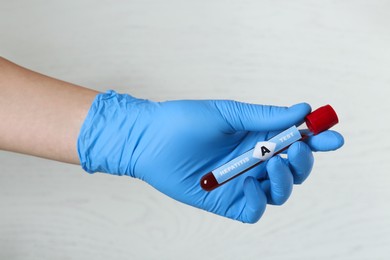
pixel 270 52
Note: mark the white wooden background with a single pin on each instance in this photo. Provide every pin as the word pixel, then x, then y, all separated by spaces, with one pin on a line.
pixel 274 52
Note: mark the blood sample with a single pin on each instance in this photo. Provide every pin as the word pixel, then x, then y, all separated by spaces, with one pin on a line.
pixel 317 121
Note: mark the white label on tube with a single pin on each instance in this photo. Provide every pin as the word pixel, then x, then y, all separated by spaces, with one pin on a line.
pixel 262 152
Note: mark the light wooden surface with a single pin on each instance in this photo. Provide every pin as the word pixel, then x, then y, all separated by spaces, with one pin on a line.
pixel 273 52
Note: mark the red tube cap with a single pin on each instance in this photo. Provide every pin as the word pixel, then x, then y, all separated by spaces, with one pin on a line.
pixel 321 119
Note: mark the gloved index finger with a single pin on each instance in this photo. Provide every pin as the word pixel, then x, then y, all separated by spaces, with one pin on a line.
pixel 328 140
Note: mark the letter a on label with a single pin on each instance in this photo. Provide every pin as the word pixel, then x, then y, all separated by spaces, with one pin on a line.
pixel 264 150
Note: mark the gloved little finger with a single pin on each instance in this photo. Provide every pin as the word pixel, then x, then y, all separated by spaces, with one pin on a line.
pixel 256 201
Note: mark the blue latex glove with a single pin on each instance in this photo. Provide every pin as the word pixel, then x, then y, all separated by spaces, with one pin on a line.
pixel 172 144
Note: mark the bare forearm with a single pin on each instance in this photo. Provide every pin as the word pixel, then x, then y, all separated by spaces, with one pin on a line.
pixel 39 115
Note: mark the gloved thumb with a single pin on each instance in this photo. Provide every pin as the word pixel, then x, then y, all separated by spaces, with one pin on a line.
pixel 241 116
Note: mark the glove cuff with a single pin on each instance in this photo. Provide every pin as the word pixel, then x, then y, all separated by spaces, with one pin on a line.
pixel 105 134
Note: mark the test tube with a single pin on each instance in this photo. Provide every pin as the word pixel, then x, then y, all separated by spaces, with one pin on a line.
pixel 317 121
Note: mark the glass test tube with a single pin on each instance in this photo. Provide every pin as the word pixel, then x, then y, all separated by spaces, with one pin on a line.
pixel 317 121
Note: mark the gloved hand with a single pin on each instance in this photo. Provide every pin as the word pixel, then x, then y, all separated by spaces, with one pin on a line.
pixel 172 144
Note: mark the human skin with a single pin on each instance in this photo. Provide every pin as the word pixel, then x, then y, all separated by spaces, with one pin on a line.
pixel 40 115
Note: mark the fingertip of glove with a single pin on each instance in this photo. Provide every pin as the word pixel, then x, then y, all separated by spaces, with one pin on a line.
pixel 340 139
pixel 274 162
pixel 290 116
pixel 298 148
pixel 326 141
pixel 302 107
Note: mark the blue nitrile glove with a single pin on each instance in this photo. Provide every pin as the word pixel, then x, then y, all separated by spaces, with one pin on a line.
pixel 172 144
